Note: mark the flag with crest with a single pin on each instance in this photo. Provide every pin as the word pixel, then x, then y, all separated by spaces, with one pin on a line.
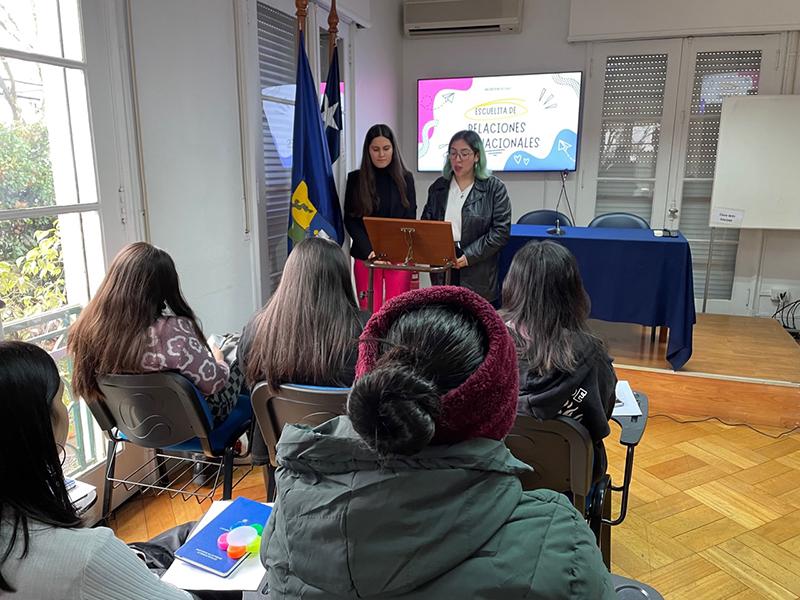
pixel 314 204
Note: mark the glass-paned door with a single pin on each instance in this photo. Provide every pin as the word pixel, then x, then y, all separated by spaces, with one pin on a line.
pixel 714 68
pixel 629 113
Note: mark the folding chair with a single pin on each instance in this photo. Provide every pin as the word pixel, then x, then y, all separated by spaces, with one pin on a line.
pixel 295 404
pixel 165 412
pixel 561 453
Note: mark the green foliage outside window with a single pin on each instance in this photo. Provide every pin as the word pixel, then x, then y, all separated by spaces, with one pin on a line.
pixel 31 265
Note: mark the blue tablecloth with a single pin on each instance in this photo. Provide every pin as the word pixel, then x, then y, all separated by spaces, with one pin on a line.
pixel 631 277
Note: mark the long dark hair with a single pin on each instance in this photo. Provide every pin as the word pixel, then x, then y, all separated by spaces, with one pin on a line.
pixel 309 327
pixel 110 334
pixel 33 487
pixel 366 199
pixel 426 353
pixel 546 305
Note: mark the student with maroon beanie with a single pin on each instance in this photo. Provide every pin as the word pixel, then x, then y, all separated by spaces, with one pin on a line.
pixel 414 494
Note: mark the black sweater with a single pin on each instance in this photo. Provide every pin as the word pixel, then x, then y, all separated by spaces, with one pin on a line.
pixel 586 395
pixel 388 206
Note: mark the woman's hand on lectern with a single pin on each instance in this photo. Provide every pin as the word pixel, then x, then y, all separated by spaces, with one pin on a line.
pixel 461 262
pixel 371 258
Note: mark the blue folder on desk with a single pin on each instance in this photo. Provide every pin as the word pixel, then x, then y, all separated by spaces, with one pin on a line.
pixel 201 549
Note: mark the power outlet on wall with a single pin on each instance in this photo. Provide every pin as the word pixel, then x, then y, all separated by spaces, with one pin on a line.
pixel 779 296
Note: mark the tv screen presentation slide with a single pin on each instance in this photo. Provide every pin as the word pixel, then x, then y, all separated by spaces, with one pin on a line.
pixel 526 122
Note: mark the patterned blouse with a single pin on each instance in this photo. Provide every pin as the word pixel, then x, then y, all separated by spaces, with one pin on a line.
pixel 173 345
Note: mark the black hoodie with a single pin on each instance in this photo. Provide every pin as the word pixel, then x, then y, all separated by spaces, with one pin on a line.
pixel 586 395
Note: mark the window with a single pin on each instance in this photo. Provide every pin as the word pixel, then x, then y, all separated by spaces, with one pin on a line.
pixel 276 27
pixel 51 242
pixel 277 70
pixel 655 108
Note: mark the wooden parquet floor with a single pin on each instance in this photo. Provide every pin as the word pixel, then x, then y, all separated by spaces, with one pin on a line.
pixel 714 512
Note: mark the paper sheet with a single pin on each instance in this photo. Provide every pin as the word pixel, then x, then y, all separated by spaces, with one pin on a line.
pixel 626 405
pixel 247 576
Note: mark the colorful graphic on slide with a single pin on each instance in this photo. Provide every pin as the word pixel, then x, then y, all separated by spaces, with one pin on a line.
pixel 526 122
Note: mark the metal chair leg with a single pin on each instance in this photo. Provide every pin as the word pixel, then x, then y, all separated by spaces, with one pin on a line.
pixel 163 480
pixel 605 531
pixel 108 487
pixel 227 474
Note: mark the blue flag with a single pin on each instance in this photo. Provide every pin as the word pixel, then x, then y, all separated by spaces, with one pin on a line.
pixel 332 108
pixel 314 204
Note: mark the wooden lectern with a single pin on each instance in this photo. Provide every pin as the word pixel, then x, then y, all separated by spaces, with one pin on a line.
pixel 409 245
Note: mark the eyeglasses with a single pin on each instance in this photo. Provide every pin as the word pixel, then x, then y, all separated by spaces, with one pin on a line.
pixel 463 154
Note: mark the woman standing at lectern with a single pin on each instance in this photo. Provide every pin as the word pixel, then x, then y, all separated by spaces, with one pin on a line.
pixel 381 187
pixel 477 204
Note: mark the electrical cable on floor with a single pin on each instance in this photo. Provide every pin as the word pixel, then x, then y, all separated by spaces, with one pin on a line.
pixel 703 420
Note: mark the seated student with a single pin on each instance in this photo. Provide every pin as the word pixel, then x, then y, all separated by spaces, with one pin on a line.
pixel 414 494
pixel 44 551
pixel 307 332
pixel 138 321
pixel 563 368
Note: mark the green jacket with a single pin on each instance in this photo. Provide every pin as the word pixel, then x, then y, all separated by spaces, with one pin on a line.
pixel 450 522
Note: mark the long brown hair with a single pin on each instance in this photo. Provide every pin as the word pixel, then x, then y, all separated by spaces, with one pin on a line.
pixel 366 198
pixel 307 330
pixel 547 306
pixel 110 334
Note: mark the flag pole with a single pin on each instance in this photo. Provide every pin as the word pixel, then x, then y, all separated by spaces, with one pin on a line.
pixel 302 11
pixel 333 30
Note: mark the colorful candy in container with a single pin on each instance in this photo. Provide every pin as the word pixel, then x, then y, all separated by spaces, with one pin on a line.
pixel 242 538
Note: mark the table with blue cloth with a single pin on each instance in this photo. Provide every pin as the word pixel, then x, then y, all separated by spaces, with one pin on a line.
pixel 631 276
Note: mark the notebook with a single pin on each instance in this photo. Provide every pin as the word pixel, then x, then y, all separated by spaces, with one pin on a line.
pixel 202 549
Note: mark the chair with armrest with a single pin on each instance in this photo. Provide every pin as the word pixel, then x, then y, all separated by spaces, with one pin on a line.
pixel 296 404
pixel 165 412
pixel 561 453
pixel 544 216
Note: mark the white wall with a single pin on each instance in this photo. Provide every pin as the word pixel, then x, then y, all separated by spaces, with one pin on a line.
pixel 541 46
pixel 377 65
pixel 187 91
pixel 633 19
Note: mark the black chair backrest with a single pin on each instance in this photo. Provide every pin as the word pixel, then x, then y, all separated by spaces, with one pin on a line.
pixel 620 220
pixel 153 410
pixel 295 404
pixel 559 450
pixel 544 216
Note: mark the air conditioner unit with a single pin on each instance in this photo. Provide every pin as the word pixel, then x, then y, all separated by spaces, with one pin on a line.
pixel 461 17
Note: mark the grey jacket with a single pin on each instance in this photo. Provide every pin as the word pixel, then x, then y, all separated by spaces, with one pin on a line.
pixel 449 522
pixel 485 229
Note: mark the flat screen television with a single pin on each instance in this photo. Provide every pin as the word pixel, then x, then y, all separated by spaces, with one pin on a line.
pixel 526 122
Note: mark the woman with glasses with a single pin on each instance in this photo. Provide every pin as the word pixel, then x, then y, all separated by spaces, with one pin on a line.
pixel 477 204
pixel 381 187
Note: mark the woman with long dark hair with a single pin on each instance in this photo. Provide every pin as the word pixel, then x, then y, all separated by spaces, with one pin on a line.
pixel 414 494
pixel 307 332
pixel 44 551
pixel 139 321
pixel 380 187
pixel 564 368
pixel 476 203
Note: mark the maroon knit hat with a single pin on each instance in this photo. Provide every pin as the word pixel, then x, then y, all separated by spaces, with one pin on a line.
pixel 485 405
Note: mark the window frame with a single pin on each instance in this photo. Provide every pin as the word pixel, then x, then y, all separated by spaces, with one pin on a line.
pixel 107 76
